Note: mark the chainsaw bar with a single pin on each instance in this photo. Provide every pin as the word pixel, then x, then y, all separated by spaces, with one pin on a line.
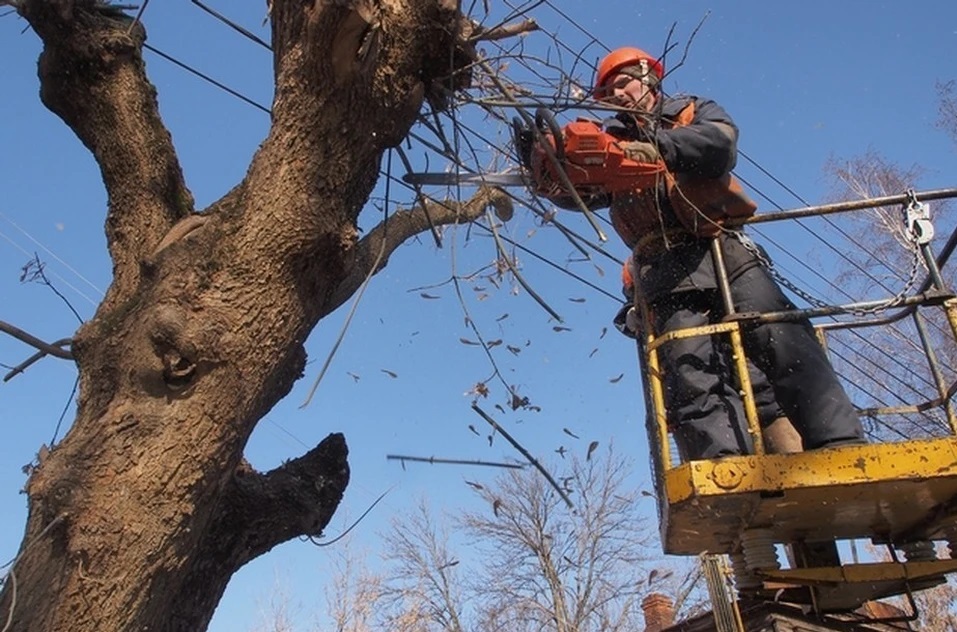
pixel 440 178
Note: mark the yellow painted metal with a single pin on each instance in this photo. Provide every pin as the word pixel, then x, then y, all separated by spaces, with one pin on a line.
pixel 747 393
pixel 656 386
pixel 896 492
pixel 880 491
pixel 691 332
pixel 950 309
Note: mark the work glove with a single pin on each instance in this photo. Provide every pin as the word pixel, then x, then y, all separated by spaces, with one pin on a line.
pixel 626 321
pixel 640 151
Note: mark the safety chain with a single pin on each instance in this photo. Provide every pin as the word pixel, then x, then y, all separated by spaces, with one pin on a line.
pixel 917 227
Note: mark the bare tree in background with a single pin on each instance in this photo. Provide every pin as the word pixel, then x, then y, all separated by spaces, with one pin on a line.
pixel 550 567
pixel 867 176
pixel 947 108
pixel 140 516
pixel 886 365
pixel 353 598
pixel 888 360
pixel 276 615
pixel 424 586
pixel 936 609
pixel 529 562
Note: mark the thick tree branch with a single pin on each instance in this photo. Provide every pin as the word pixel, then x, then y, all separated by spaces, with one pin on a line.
pixel 257 512
pixel 92 75
pixel 336 58
pixel 296 499
pixel 373 251
pixel 33 341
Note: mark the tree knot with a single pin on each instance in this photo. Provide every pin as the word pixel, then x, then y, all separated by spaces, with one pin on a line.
pixel 170 345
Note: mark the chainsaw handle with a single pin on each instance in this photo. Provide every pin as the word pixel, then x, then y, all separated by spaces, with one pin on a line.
pixel 524 139
pixel 546 122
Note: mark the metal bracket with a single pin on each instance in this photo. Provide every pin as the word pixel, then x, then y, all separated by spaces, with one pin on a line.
pixel 917 221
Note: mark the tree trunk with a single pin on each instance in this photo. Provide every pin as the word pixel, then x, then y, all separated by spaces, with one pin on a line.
pixel 140 516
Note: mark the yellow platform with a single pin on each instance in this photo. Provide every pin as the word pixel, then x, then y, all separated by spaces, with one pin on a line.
pixel 894 491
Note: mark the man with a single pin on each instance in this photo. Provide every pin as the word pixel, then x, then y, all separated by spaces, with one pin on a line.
pixel 669 229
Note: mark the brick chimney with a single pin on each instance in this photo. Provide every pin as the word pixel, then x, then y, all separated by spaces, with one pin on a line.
pixel 659 612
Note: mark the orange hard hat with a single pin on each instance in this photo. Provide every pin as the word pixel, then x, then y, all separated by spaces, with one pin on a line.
pixel 622 58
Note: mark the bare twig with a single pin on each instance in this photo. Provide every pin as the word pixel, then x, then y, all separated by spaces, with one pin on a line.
pixel 550 152
pixel 353 525
pixel 35 271
pixel 518 276
pixel 403 224
pixel 515 444
pixel 36 357
pixel 470 322
pixel 420 198
pixel 358 295
pixel 561 269
pixel 670 46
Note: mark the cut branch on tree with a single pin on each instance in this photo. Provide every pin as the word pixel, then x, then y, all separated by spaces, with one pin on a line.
pixel 503 31
pixel 431 460
pixel 293 500
pixel 528 455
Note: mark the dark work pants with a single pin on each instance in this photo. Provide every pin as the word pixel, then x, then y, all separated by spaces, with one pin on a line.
pixel 705 408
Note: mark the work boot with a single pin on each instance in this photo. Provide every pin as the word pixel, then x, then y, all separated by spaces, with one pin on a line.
pixel 780 437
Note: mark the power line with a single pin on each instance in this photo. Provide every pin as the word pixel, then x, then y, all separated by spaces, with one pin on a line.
pixel 31 255
pixel 207 78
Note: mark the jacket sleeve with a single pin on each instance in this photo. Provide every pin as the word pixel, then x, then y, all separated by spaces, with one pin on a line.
pixel 706 147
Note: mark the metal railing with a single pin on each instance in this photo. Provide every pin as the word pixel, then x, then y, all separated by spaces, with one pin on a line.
pixel 907 305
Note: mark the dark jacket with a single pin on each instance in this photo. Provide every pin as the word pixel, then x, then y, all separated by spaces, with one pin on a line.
pixel 706 147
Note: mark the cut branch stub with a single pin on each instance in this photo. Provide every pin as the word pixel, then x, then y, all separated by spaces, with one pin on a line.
pixel 296 499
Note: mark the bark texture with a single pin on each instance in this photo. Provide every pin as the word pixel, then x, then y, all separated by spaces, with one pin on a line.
pixel 140 516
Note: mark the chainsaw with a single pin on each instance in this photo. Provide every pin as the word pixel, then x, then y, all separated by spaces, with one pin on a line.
pixel 589 157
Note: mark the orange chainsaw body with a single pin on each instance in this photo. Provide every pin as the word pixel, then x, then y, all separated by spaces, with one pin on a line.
pixel 593 162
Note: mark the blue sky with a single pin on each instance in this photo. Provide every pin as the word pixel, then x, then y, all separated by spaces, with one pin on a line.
pixel 804 81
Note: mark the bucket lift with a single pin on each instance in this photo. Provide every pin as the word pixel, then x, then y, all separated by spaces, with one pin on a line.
pixel 901 495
